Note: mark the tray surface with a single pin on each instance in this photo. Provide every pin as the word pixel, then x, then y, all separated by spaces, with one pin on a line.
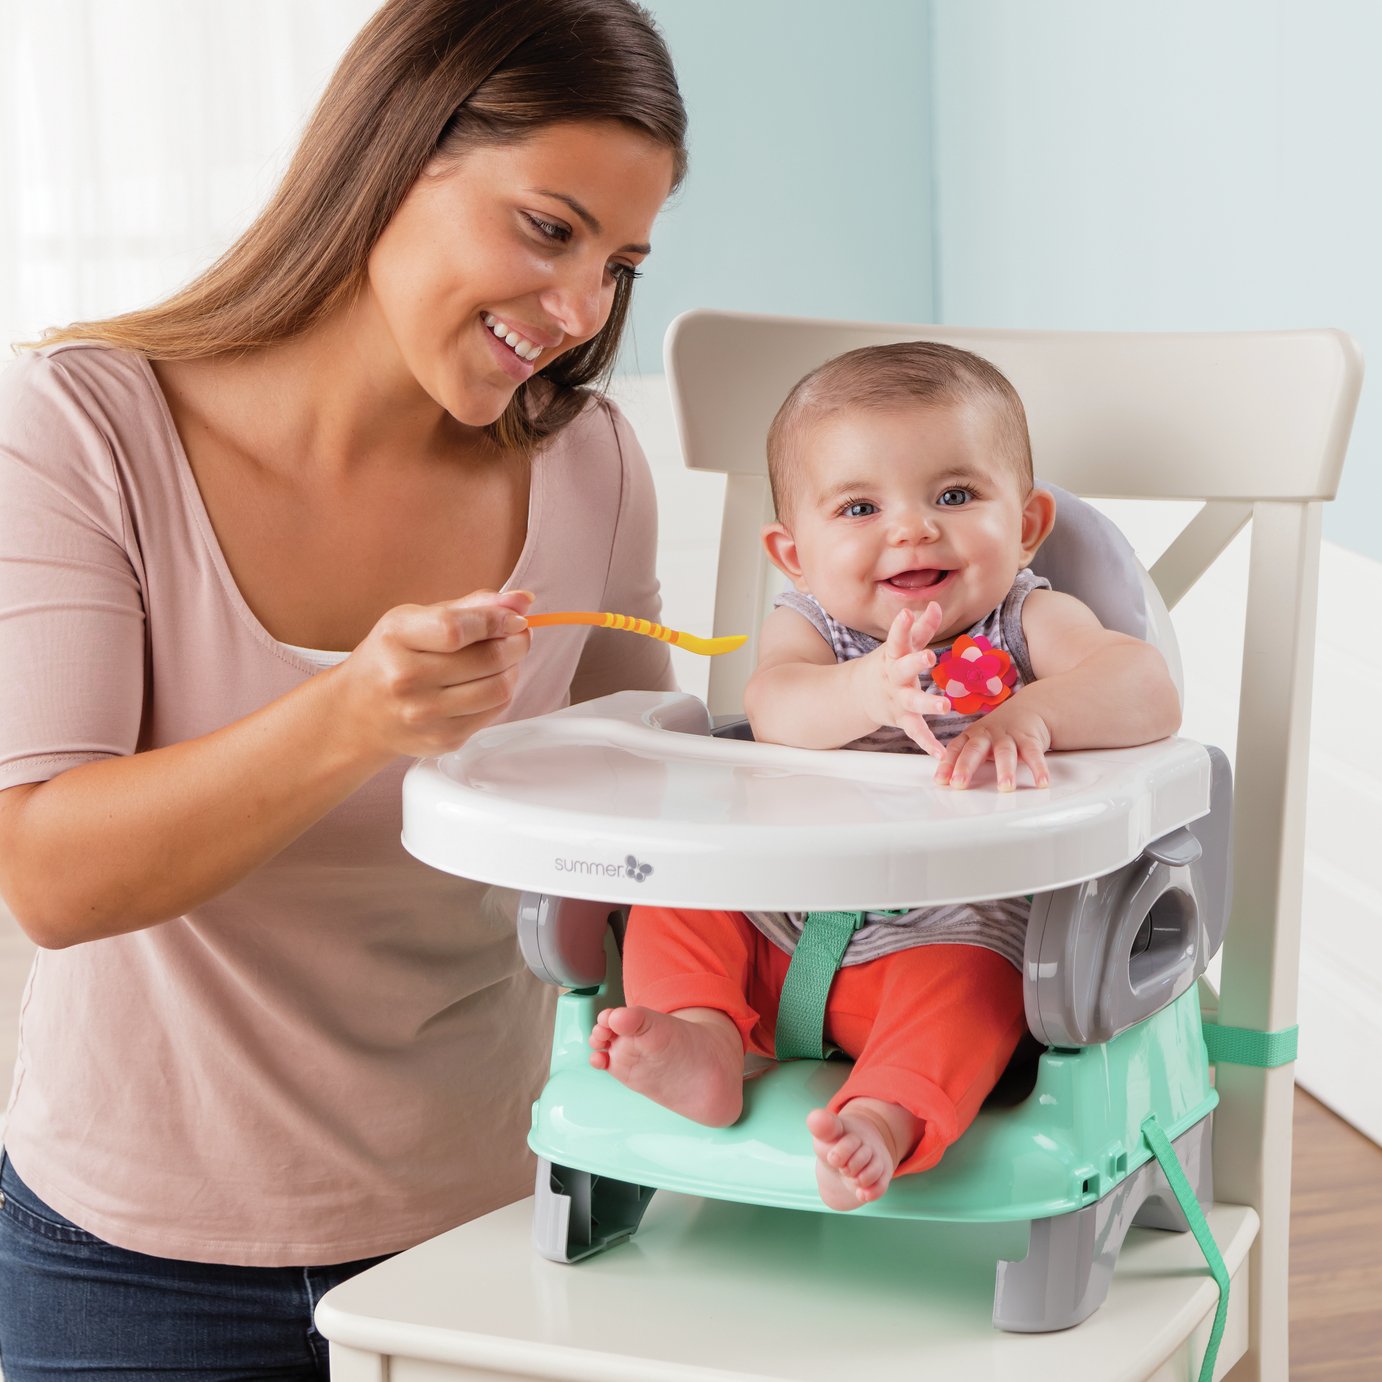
pixel 629 799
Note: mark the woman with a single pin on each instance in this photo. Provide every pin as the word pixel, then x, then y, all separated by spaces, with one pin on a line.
pixel 261 1046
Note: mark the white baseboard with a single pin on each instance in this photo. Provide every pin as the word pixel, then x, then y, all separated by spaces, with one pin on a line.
pixel 1341 919
pixel 1341 995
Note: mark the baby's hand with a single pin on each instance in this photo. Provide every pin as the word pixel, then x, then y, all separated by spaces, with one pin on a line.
pixel 1010 734
pixel 905 659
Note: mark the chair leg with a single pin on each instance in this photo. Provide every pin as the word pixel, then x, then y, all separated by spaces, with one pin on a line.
pixel 577 1214
pixel 1070 1257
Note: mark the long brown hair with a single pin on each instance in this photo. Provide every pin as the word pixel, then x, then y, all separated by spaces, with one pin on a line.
pixel 423 79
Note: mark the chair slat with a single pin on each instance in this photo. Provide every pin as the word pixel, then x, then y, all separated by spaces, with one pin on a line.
pixel 1212 415
pixel 1197 547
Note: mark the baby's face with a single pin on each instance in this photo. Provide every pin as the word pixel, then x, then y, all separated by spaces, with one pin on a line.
pixel 895 509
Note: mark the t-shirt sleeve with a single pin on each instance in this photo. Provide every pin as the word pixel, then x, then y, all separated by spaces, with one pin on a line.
pixel 71 612
pixel 614 661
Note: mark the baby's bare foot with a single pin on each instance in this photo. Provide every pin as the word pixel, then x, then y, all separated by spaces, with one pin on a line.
pixel 859 1148
pixel 690 1061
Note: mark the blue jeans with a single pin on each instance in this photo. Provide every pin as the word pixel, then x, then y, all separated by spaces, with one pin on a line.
pixel 71 1305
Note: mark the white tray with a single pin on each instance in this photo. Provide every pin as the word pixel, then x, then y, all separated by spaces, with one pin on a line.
pixel 628 799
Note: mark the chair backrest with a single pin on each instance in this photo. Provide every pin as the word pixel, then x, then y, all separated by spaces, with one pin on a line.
pixel 1252 424
pixel 1232 419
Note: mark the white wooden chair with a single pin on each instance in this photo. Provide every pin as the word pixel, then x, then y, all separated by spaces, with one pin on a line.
pixel 1253 425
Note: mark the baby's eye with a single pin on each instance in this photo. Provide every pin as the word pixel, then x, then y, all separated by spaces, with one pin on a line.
pixel 954 497
pixel 858 508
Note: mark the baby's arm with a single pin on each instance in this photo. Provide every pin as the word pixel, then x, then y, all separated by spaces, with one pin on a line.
pixel 800 695
pixel 1095 689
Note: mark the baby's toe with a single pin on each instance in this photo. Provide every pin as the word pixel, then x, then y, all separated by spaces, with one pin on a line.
pixel 862 1159
pixel 870 1173
pixel 627 1021
pixel 843 1152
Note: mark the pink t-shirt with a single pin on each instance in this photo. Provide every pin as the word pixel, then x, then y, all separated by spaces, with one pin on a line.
pixel 336 1057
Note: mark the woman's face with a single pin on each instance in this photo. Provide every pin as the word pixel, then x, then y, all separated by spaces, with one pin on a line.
pixel 502 259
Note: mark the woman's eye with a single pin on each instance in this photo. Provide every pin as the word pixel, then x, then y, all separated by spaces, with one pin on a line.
pixel 624 273
pixel 550 230
pixel 953 498
pixel 858 508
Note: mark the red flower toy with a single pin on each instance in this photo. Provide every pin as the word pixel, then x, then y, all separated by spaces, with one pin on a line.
pixel 974 675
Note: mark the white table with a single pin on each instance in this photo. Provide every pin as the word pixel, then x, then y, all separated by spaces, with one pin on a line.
pixel 717 1292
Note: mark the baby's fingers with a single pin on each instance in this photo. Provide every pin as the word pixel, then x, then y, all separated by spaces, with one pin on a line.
pixel 926 625
pixel 964 757
pixel 1030 752
pixel 912 668
pixel 899 641
pixel 920 733
pixel 952 751
pixel 914 701
pixel 960 768
pixel 1005 763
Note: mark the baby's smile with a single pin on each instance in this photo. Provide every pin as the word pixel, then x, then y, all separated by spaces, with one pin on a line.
pixel 922 578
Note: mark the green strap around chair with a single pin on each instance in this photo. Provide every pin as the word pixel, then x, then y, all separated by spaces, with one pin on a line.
pixel 801 1009
pixel 1243 1046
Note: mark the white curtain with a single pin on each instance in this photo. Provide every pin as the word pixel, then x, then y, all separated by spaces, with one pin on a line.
pixel 137 137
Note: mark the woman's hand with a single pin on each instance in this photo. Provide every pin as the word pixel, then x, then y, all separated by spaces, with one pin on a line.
pixel 901 662
pixel 122 843
pixel 427 677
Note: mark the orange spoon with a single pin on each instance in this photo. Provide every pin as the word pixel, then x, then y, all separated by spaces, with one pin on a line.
pixel 707 647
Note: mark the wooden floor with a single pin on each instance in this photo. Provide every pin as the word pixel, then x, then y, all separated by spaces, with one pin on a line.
pixel 1336 1249
pixel 1336 1218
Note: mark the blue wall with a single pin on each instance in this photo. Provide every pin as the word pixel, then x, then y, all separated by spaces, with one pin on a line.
pixel 1069 164
pixel 810 184
pixel 1173 166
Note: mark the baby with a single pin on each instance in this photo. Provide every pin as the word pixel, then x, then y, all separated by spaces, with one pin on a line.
pixel 906 519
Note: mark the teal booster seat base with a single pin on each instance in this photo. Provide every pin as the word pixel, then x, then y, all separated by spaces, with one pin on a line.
pixel 1068 1158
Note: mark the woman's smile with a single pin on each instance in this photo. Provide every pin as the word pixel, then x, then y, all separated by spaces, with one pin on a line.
pixel 514 353
pixel 521 346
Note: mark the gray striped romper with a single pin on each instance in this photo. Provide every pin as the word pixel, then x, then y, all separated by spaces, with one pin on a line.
pixel 999 926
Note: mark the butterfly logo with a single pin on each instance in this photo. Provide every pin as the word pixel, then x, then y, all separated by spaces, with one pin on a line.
pixel 638 872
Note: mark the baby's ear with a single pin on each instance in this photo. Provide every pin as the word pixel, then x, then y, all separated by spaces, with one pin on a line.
pixel 781 548
pixel 1038 518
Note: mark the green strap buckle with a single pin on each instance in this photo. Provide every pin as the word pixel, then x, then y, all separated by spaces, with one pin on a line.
pixel 1170 1165
pixel 801 1010
pixel 1243 1046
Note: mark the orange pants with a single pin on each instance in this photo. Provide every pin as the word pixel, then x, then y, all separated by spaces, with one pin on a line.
pixel 931 1028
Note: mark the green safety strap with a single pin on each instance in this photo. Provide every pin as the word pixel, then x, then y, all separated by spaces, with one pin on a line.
pixel 1243 1046
pixel 1170 1165
pixel 801 1009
